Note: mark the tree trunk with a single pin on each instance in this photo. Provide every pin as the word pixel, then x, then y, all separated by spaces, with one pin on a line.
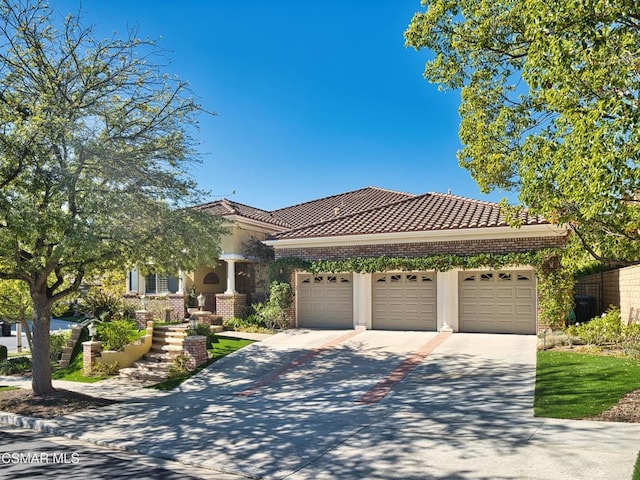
pixel 40 355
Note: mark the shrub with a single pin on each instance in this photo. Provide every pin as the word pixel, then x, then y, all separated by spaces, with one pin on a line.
pixel 631 340
pixel 233 323
pixel 57 343
pixel 609 330
pixel 100 369
pixel 199 329
pixel 128 312
pixel 102 305
pixel 551 339
pixel 15 366
pixel 252 323
pixel 603 330
pixel 3 353
pixel 269 314
pixel 203 330
pixel 180 366
pixel 116 334
pixel 274 312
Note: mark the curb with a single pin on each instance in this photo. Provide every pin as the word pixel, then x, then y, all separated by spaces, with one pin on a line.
pixel 48 426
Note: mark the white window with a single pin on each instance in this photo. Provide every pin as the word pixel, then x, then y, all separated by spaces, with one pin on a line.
pixel 133 280
pixel 157 283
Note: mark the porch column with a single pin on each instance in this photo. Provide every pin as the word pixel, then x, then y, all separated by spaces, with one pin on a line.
pixel 231 259
pixel 231 276
pixel 181 282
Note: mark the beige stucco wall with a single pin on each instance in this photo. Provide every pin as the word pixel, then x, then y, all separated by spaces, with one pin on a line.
pixel 234 243
pixel 197 277
pixel 132 352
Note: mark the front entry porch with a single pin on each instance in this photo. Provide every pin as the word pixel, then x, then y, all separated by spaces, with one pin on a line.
pixel 226 287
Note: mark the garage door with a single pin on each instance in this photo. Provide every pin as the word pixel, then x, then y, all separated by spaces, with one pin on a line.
pixel 404 301
pixel 325 301
pixel 498 302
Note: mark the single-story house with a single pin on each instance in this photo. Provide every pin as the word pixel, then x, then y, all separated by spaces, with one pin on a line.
pixel 374 223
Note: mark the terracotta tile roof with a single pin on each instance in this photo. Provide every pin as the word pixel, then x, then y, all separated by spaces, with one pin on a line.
pixel 348 203
pixel 431 211
pixel 227 207
pixel 373 210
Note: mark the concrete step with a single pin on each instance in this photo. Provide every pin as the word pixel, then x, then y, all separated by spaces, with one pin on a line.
pixel 152 368
pixel 178 342
pixel 157 358
pixel 171 328
pixel 164 348
pixel 141 374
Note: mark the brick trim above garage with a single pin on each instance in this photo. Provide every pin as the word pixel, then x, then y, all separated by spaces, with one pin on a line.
pixel 461 247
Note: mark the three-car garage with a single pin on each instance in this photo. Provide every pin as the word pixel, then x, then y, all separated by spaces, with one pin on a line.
pixel 485 301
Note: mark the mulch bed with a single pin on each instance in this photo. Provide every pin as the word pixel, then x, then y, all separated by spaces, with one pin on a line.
pixel 56 404
pixel 626 410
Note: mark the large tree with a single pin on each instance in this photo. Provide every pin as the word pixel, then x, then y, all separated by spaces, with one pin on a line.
pixel 95 146
pixel 549 106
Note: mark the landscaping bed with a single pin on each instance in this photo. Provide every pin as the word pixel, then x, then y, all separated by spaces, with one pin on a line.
pixel 55 404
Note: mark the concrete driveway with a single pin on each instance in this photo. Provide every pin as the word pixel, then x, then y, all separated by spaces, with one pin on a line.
pixel 370 404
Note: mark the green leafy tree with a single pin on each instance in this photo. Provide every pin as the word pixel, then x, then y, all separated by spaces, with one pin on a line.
pixel 95 146
pixel 549 106
pixel 15 304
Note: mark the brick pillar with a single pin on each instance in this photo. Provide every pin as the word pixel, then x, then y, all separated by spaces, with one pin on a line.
pixel 90 350
pixel 142 317
pixel 206 318
pixel 177 304
pixel 231 305
pixel 196 348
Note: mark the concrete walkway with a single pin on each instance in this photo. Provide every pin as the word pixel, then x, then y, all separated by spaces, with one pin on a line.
pixel 463 412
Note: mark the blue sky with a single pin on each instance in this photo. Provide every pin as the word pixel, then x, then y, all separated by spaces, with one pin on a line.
pixel 312 98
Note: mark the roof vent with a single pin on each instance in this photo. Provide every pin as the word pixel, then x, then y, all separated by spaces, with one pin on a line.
pixel 336 211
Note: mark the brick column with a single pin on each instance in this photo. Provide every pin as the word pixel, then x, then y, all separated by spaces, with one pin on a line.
pixel 206 318
pixel 142 317
pixel 196 348
pixel 177 303
pixel 231 305
pixel 90 350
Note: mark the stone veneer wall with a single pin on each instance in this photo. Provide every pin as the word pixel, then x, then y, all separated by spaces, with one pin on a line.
pixel 459 247
pixel 620 288
pixel 159 304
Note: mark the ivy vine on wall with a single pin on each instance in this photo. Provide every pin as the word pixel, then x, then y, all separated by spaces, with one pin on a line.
pixel 555 276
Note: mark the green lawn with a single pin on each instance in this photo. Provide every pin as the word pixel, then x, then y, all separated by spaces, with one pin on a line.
pixel 575 385
pixel 636 470
pixel 222 348
pixel 74 372
pixel 5 388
